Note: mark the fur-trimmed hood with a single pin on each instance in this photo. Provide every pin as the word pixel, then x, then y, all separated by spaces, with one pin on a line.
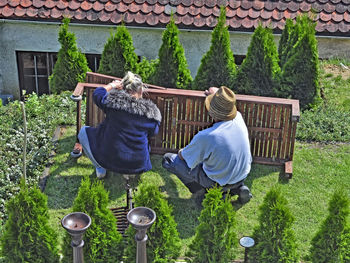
pixel 121 100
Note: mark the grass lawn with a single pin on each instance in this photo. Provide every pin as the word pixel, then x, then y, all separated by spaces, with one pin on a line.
pixel 318 170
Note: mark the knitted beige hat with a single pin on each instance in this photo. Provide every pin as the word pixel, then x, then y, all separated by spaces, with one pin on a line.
pixel 222 104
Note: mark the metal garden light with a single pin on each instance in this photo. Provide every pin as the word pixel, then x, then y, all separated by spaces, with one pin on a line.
pixel 246 242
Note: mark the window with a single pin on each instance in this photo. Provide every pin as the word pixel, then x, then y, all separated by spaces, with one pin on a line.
pixel 34 69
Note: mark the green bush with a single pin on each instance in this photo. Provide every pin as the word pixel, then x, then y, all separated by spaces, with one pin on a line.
pixel 259 72
pixel 324 124
pixel 171 71
pixel 71 65
pixel 217 66
pixel 288 39
pixel 147 68
pixel 215 235
pixel 163 245
pixel 118 56
pixel 44 114
pixel 102 241
pixel 27 235
pixel 300 72
pixel 327 245
pixel 274 237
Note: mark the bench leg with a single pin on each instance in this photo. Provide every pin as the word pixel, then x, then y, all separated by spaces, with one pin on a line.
pixel 288 169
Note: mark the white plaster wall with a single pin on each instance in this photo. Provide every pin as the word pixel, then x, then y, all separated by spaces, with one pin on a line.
pixel 43 37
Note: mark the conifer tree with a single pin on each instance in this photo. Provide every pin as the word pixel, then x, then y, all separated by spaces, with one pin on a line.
pixel 118 56
pixel 27 235
pixel 171 70
pixel 102 241
pixel 300 72
pixel 147 68
pixel 217 66
pixel 287 41
pixel 71 65
pixel 215 235
pixel 274 238
pixel 163 244
pixel 259 71
pixel 331 242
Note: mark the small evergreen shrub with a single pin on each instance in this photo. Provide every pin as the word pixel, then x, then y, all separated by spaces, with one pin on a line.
pixel 102 241
pixel 259 72
pixel 147 68
pixel 171 70
pixel 71 65
pixel 327 245
pixel 217 66
pixel 288 39
pixel 215 236
pixel 163 245
pixel 274 237
pixel 300 72
pixel 118 56
pixel 27 235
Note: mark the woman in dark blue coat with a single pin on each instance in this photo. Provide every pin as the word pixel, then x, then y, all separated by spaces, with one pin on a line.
pixel 120 142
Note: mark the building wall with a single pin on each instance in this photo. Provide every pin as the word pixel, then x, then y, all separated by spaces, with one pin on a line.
pixel 43 37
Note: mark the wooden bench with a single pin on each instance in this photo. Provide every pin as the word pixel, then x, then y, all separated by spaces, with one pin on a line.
pixel 271 122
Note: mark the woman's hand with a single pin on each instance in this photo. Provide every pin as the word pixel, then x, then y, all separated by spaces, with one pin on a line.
pixel 115 84
pixel 210 91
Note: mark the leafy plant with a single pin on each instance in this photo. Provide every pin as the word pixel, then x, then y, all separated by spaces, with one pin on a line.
pixel 147 68
pixel 215 236
pixel 274 236
pixel 163 239
pixel 71 65
pixel 171 70
pixel 331 242
pixel 259 71
pixel 300 72
pixel 217 66
pixel 27 235
pixel 118 56
pixel 102 241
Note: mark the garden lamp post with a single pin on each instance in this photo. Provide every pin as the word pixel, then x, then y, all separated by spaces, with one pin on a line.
pixel 141 218
pixel 246 242
pixel 76 224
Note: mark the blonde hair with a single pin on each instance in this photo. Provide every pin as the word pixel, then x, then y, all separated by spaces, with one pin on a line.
pixel 133 83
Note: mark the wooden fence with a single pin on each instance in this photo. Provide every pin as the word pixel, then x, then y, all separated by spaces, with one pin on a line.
pixel 271 122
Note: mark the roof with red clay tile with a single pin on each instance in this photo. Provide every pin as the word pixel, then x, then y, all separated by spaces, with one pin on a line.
pixel 332 16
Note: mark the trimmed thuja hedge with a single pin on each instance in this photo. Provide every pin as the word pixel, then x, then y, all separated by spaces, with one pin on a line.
pixel 215 235
pixel 171 70
pixel 163 245
pixel 259 71
pixel 118 56
pixel 274 236
pixel 331 243
pixel 217 66
pixel 71 65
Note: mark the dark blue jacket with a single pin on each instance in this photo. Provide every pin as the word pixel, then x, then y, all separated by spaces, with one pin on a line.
pixel 120 142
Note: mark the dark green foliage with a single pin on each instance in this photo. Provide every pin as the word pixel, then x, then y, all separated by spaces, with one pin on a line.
pixel 217 66
pixel 163 245
pixel 327 246
pixel 147 68
pixel 71 65
pixel 274 237
pixel 215 236
pixel 118 56
pixel 103 243
pixel 27 235
pixel 259 71
pixel 172 70
pixel 300 72
pixel 287 41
